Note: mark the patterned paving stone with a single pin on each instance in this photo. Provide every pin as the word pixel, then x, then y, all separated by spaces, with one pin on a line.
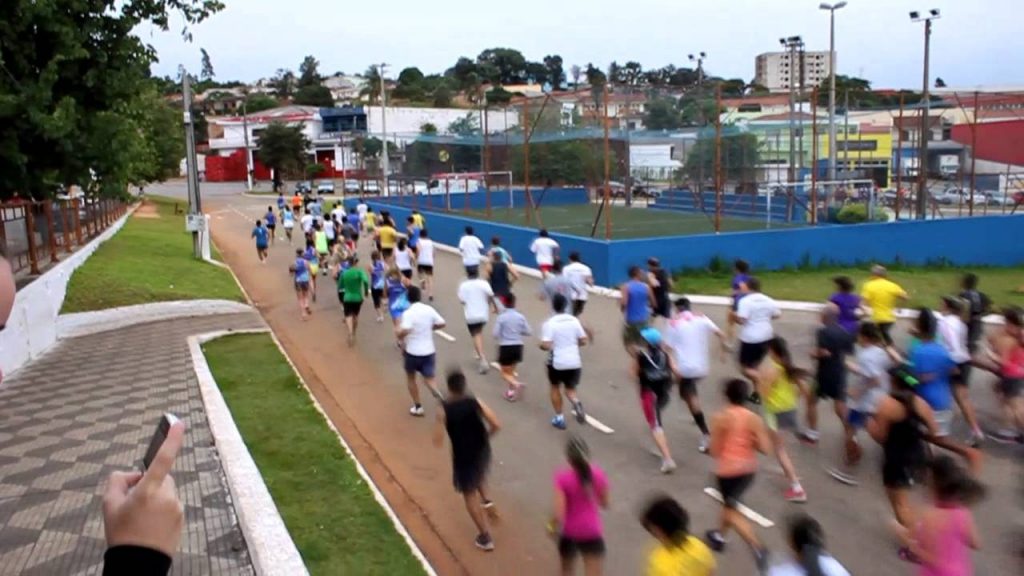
pixel 88 407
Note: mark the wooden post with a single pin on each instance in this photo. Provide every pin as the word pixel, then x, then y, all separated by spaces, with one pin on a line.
pixel 526 161
pixel 76 222
pixel 814 156
pixel 974 154
pixel 30 229
pixel 607 170
pixel 65 239
pixel 487 159
pixel 51 230
pixel 718 158
pixel 899 160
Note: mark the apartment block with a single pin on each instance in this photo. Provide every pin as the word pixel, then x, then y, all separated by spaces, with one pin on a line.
pixel 775 71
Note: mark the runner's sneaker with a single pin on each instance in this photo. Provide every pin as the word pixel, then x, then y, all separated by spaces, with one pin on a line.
pixel 510 395
pixel 807 437
pixel 1006 437
pixel 484 542
pixel 754 398
pixel 977 437
pixel 795 494
pixel 558 422
pixel 416 410
pixel 668 466
pixel 761 559
pixel 842 476
pixel 484 367
pixel 577 409
pixel 704 445
pixel 715 540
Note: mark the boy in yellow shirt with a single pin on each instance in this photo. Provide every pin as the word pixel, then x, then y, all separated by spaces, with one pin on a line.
pixel 882 295
pixel 677 553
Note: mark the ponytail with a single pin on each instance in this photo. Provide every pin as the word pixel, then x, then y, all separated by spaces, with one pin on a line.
pixel 780 348
pixel 808 541
pixel 578 455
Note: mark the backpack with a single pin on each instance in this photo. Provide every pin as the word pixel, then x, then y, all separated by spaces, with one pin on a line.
pixel 654 369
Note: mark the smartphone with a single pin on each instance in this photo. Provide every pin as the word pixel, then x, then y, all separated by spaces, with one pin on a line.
pixel 162 428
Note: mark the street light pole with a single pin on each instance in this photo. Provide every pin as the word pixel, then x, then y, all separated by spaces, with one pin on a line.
pixel 792 43
pixel 384 128
pixel 832 155
pixel 699 59
pixel 195 208
pixel 248 151
pixel 922 160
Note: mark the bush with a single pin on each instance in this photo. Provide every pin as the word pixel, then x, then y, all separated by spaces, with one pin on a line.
pixel 857 213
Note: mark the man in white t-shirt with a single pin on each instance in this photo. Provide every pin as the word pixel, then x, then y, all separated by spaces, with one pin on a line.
pixel 338 212
pixel 477 300
pixel 754 314
pixel 425 263
pixel 472 250
pixel 562 335
pixel 581 277
pixel 954 336
pixel 546 250
pixel 307 222
pixel 416 335
pixel 361 209
pixel 686 334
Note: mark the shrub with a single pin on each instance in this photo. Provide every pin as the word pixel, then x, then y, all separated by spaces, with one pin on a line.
pixel 857 213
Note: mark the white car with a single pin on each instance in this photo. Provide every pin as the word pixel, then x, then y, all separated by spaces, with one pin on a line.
pixel 325 187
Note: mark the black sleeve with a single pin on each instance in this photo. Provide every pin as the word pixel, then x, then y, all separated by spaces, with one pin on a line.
pixel 135 561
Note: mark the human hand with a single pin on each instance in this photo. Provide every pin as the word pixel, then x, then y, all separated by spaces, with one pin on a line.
pixel 142 509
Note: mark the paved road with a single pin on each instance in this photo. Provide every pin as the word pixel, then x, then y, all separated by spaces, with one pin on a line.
pixel 363 392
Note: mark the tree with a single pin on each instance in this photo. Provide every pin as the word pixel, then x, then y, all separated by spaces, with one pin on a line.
pixel 309 72
pixel 662 114
pixel 733 87
pixel 428 128
pixel 465 126
pixel 755 89
pixel 555 74
pixel 631 73
pixel 442 96
pixel 72 104
pixel 410 85
pixel 284 149
pixel 741 154
pixel 314 95
pixel 371 148
pixel 595 77
pixel 615 73
pixel 283 83
pixel 259 103
pixel 498 96
pixel 371 91
pixel 501 66
pixel 207 69
pixel 569 162
pixel 576 72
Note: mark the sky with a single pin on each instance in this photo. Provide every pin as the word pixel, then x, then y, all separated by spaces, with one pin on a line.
pixel 974 43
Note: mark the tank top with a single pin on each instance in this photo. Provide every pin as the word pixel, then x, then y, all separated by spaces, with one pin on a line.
pixel 377 275
pixel 949 544
pixel 320 239
pixel 636 307
pixel 500 284
pixel 661 291
pixel 783 395
pixel 903 443
pixel 395 288
pixel 464 422
pixel 1014 366
pixel 738 456
pixel 301 270
pixel 402 260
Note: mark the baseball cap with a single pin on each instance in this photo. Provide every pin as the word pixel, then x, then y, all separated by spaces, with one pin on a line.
pixel 651 335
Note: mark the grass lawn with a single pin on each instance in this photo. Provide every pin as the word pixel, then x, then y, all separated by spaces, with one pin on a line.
pixel 333 518
pixel 148 260
pixel 924 285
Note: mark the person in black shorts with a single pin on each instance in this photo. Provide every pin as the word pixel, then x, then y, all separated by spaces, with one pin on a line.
pixel 833 344
pixel 660 283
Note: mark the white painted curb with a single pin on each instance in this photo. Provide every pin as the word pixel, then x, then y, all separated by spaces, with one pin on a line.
pixel 85 323
pixel 270 546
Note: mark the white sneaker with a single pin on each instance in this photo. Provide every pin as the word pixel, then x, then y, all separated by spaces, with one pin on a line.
pixel 704 446
pixel 416 410
pixel 484 367
pixel 668 466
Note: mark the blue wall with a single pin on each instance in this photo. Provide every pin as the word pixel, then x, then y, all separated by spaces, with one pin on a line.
pixel 499 199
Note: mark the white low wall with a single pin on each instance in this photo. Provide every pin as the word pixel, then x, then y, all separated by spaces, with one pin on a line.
pixel 32 327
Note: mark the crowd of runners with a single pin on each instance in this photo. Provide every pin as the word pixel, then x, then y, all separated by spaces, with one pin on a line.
pixel 900 395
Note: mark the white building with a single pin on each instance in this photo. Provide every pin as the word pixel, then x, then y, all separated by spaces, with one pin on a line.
pixel 774 71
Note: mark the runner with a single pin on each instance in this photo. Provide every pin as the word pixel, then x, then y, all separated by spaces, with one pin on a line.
pixel 807 541
pixel 271 219
pixel 678 553
pixel 377 283
pixel 882 295
pixel 349 233
pixel 296 202
pixel 355 285
pixel 660 283
pixel 581 277
pixel 636 301
pixel 546 250
pixel 501 277
pixel 687 336
pixel 741 273
pixel 833 343
pixel 581 490
pixel 848 304
pixel 496 248
pixel 357 223
pixel 413 233
pixel 1005 359
pixel 469 424
pixel 300 270
pixel 387 236
pixel 477 300
pixel 416 332
pixel 331 231
pixel 471 249
pixel 369 220
pixel 338 212
pixel 425 263
pixel 418 219
pixel 314 266
pixel 556 283
pixel 307 222
pixel 781 384
pixel 288 221
pixel 316 208
pixel 396 289
pixel 510 328
pixel 754 314
pixel 562 335
pixel 320 241
pixel 281 205
pixel 737 434
pixel 362 209
pixel 403 258
pixel 260 234
pixel 954 337
pixel 978 305
pixel 653 367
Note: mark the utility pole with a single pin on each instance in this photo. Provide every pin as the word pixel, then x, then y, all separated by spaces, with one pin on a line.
pixel 384 128
pixel 194 203
pixel 699 59
pixel 248 151
pixel 791 44
pixel 922 160
pixel 832 87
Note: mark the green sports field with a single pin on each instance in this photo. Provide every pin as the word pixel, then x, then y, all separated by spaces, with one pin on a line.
pixel 640 222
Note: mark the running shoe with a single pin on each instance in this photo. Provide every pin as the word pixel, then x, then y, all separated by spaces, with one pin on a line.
pixel 416 410
pixel 484 366
pixel 705 444
pixel 577 409
pixel 977 437
pixel 668 466
pixel 1006 437
pixel 754 398
pixel 558 422
pixel 795 494
pixel 761 559
pixel 484 542
pixel 807 437
pixel 511 395
pixel 715 540
pixel 842 476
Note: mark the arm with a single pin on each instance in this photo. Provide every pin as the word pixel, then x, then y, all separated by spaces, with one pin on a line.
pixel 650 297
pixel 545 345
pixel 878 423
pixel 439 322
pixel 623 297
pixel 493 424
pixel 438 436
pixel 972 538
pixel 558 514
pixel 924 411
pixel 764 441
pixel 717 431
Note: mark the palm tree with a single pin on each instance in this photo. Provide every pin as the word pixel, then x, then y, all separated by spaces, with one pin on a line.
pixel 371 91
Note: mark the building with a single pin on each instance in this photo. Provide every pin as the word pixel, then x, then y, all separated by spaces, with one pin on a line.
pixel 774 71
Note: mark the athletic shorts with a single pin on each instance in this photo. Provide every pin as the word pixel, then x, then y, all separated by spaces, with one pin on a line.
pixel 473 270
pixel 780 420
pixel 653 402
pixel 856 419
pixel 902 473
pixel 663 309
pixel 831 388
pixel 475 327
pixel 352 308
pixel 261 249
pixel 271 227
pixel 631 332
pixel 963 373
pixel 752 353
pixel 571 547
pixel 578 306
pixel 407 273
pixel 885 328
pixel 378 295
pixel 425 365
pixel 688 387
pixel 302 286
pixel 510 355
pixel 568 378
pixel 544 268
pixel 943 422
pixel 427 269
pixel 1010 388
pixel 386 253
pixel 733 487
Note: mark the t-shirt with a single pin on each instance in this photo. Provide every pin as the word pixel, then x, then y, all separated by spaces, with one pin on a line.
pixel 692 558
pixel 582 507
pixel 557 284
pixel 637 309
pixel 338 213
pixel 738 280
pixel 873 362
pixel 288 219
pixel 280 202
pixel 403 260
pixel 316 209
pixel 475 295
pixel 414 236
pixel 930 358
pixel 848 304
pixel 757 310
pixel 388 235
pixel 882 294
pixel 320 240
pixel 356 282
pixel 420 320
pixel 418 220
pixel 829 567
pixel 564 332
pixel 687 336
pixel 954 337
pixel 271 218
pixel 501 252
pixel 472 250
pixel 301 270
pixel 838 343
pixel 545 249
pixel 510 328
pixel 425 252
pixel 361 209
pixel 329 229
pixel 261 236
pixel 578 273
pixel 307 222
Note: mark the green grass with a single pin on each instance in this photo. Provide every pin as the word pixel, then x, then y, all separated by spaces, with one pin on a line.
pixel 330 513
pixel 578 220
pixel 148 260
pixel 925 285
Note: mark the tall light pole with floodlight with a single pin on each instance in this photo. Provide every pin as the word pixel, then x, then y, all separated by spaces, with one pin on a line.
pixel 791 44
pixel 699 59
pixel 832 87
pixel 922 160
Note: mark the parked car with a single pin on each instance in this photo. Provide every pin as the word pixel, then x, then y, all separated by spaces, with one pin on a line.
pixel 371 187
pixel 953 196
pixel 350 186
pixel 325 187
pixel 644 191
pixel 303 187
pixel 999 199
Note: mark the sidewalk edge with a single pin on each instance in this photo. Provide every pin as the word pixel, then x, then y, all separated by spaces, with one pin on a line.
pixel 87 323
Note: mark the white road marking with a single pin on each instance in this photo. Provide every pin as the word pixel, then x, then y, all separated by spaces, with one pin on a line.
pixel 750 514
pixel 599 425
pixel 445 335
pixel 495 365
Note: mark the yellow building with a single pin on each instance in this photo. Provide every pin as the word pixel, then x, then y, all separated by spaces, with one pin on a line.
pixel 866 152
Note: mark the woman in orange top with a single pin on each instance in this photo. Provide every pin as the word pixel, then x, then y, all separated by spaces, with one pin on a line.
pixel 737 434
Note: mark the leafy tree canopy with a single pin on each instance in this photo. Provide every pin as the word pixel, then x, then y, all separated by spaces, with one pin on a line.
pixel 314 95
pixel 283 148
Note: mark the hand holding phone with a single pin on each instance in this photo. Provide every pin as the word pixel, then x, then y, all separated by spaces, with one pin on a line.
pixel 166 421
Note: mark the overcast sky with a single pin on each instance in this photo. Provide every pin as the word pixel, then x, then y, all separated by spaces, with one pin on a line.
pixel 976 42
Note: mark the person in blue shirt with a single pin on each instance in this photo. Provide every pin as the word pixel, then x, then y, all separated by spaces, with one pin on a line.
pixel 271 220
pixel 301 272
pixel 636 302
pixel 932 366
pixel 413 233
pixel 313 261
pixel 377 270
pixel 281 203
pixel 261 236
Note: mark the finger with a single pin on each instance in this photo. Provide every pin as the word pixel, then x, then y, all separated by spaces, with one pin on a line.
pixel 118 485
pixel 164 460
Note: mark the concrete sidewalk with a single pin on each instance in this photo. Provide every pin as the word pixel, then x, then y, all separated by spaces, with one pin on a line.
pixel 88 407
